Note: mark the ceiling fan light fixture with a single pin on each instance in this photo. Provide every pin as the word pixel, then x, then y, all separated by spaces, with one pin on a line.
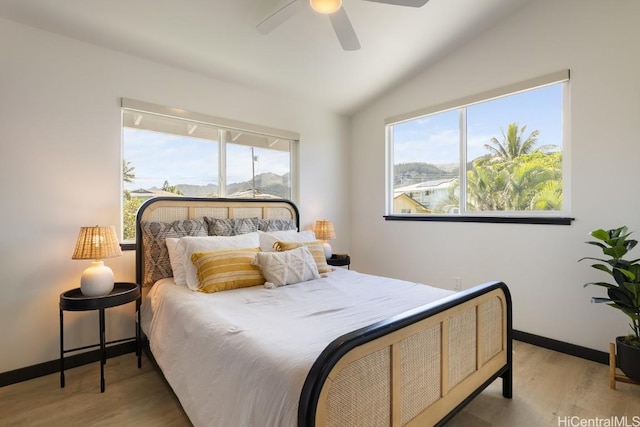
pixel 326 7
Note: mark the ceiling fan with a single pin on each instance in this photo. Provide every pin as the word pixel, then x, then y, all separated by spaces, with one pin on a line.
pixel 338 16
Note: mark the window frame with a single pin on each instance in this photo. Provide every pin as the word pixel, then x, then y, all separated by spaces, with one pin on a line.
pixel 562 217
pixel 225 128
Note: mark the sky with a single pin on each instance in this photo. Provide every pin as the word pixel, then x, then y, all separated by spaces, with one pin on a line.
pixel 157 157
pixel 435 139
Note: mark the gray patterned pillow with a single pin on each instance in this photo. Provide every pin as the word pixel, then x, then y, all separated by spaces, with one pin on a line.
pixel 230 226
pixel 190 227
pixel 156 255
pixel 276 224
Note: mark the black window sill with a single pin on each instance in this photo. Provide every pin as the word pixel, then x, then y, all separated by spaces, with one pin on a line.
pixel 483 219
pixel 453 218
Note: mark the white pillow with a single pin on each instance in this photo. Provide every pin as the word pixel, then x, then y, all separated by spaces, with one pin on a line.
pixel 269 238
pixel 287 268
pixel 186 246
pixel 177 265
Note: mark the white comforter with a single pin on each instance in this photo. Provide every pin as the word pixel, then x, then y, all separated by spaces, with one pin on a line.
pixel 240 358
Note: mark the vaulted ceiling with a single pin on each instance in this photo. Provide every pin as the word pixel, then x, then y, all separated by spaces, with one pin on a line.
pixel 301 58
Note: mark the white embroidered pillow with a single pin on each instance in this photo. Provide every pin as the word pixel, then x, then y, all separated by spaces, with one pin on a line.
pixel 315 248
pixel 288 267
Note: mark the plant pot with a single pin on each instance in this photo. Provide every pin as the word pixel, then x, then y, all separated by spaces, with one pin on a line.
pixel 628 359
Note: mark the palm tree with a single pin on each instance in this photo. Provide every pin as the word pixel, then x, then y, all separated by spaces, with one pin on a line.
pixel 523 183
pixel 515 176
pixel 512 144
pixel 128 174
pixel 451 202
pixel 171 188
pixel 515 185
pixel 485 188
pixel 549 197
pixel 129 205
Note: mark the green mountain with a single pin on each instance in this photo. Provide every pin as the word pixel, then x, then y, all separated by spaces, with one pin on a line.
pixel 415 172
pixel 266 183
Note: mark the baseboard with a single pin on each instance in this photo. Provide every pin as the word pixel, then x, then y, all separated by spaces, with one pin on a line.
pixel 53 366
pixel 562 347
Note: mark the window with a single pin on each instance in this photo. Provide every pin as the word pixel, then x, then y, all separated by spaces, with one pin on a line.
pixel 500 154
pixel 171 152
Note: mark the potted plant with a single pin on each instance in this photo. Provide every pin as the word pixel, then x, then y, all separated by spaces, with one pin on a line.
pixel 623 294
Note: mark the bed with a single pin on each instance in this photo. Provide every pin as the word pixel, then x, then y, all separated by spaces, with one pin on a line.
pixel 344 349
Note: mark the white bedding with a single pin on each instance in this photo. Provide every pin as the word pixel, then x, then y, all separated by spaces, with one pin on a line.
pixel 240 358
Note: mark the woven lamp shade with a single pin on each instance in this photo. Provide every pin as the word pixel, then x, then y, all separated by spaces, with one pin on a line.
pixel 97 243
pixel 324 230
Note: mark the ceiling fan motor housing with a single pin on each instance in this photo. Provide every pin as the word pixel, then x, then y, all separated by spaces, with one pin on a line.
pixel 326 7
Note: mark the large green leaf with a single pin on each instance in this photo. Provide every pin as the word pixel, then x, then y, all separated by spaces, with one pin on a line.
pixel 592 258
pixel 626 272
pixel 603 268
pixel 620 276
pixel 598 244
pixel 634 291
pixel 621 232
pixel 603 284
pixel 621 298
pixel 632 314
pixel 635 270
pixel 616 251
pixel 600 234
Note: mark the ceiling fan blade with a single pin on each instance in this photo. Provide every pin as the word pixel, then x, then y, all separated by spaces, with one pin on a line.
pixel 410 3
pixel 283 12
pixel 344 30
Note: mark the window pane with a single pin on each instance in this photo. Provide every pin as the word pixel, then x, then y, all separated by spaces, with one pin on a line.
pixel 168 155
pixel 426 157
pixel 514 152
pixel 258 172
pixel 163 160
pixel 512 162
pixel 163 164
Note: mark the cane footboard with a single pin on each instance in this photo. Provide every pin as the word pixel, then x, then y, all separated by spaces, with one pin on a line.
pixel 417 369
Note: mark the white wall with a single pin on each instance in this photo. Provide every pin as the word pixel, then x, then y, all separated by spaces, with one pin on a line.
pixel 60 169
pixel 598 41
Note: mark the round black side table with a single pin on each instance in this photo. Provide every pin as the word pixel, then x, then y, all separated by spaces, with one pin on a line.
pixel 340 260
pixel 73 300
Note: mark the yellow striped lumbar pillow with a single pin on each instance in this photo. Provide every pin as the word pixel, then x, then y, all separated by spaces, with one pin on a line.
pixel 315 248
pixel 227 269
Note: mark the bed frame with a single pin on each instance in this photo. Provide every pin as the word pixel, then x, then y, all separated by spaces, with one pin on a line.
pixel 418 368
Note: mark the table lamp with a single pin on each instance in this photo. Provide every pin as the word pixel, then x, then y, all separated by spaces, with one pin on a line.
pixel 96 243
pixel 324 231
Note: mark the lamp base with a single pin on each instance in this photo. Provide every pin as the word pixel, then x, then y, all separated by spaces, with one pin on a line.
pixel 97 280
pixel 327 249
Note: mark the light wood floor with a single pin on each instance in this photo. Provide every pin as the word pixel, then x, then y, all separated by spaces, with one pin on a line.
pixel 547 385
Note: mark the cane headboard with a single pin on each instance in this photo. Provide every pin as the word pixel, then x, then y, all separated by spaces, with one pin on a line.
pixel 169 209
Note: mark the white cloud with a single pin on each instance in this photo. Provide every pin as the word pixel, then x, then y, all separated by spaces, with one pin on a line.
pixel 435 148
pixel 157 157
